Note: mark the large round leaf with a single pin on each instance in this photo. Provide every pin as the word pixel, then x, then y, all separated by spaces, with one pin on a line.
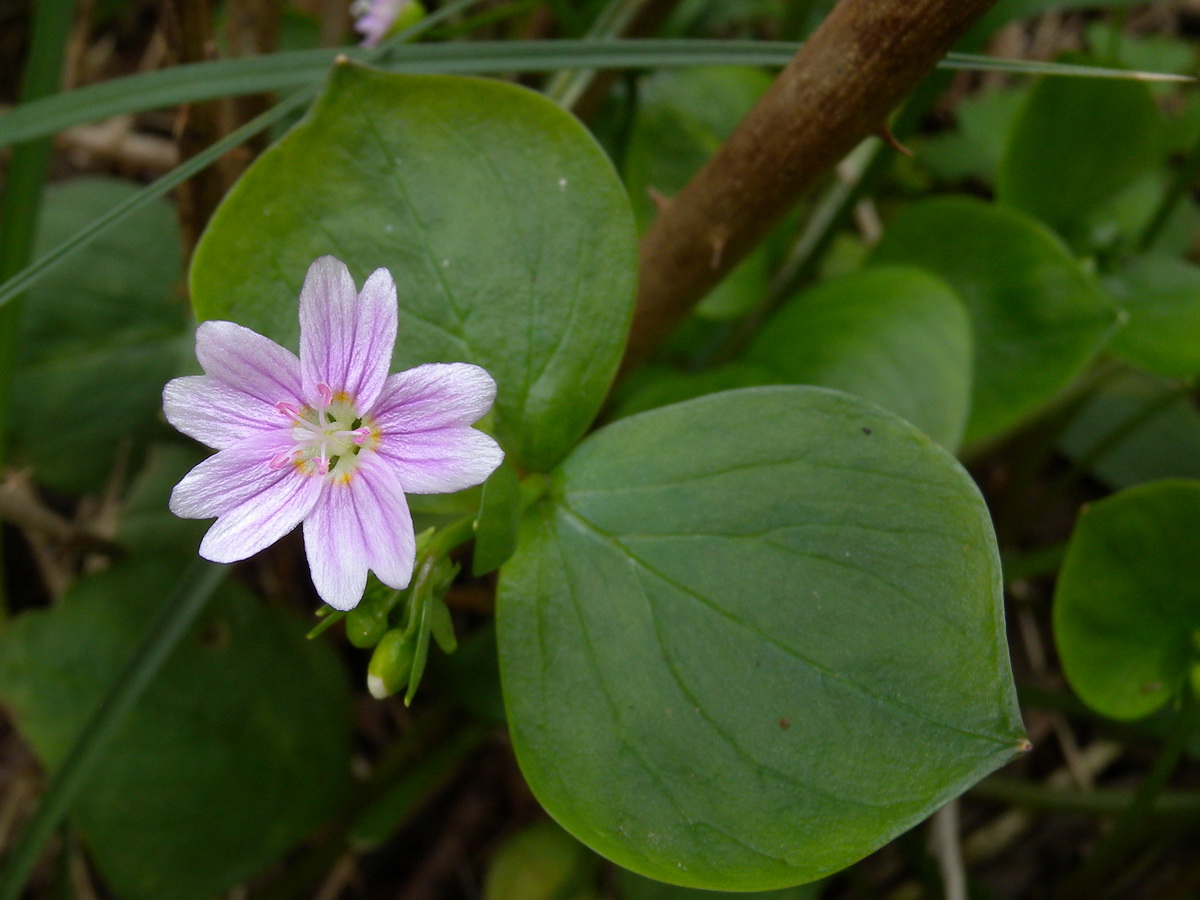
pixel 1063 160
pixel 892 335
pixel 1162 297
pixel 505 227
pixel 1127 604
pixel 748 638
pixel 1038 317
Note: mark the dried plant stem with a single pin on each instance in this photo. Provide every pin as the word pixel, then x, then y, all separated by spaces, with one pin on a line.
pixel 1131 828
pixel 838 89
pixel 188 26
pixel 946 844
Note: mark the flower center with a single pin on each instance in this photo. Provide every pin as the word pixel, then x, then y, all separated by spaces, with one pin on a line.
pixel 329 437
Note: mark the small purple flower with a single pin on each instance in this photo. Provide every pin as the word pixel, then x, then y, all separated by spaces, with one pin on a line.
pixel 328 439
pixel 373 19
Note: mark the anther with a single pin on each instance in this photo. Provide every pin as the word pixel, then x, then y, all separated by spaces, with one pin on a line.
pixel 322 465
pixel 288 409
pixel 361 434
pixel 280 460
pixel 326 393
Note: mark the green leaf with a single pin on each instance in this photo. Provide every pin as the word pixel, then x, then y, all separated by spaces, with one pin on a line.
pixel 1038 317
pixel 99 337
pixel 498 521
pixel 1127 603
pixel 508 234
pixel 635 887
pixel 749 638
pixel 683 118
pixel 1136 428
pixel 237 751
pixel 1063 160
pixel 895 336
pixel 975 150
pixel 1162 297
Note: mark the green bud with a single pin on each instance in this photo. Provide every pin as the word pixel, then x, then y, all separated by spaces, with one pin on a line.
pixel 390 664
pixel 542 862
pixel 409 16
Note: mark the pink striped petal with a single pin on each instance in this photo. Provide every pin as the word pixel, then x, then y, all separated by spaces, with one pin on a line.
pixel 358 525
pixel 441 461
pixel 432 396
pixel 255 504
pixel 346 337
pixel 229 478
pixel 248 362
pixel 214 413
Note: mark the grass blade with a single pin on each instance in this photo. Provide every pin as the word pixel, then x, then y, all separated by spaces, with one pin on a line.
pixel 284 71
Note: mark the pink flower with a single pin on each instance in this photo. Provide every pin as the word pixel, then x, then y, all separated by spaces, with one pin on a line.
pixel 329 439
pixel 373 19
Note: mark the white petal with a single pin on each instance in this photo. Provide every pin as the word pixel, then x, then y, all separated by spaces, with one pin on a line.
pixel 346 337
pixel 441 461
pixel 255 504
pixel 232 476
pixel 258 523
pixel 248 362
pixel 435 395
pixel 212 412
pixel 359 524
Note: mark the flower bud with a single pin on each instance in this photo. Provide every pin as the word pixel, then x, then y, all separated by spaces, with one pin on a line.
pixel 391 664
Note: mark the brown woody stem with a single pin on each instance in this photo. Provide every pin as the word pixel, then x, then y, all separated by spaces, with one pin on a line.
pixel 841 85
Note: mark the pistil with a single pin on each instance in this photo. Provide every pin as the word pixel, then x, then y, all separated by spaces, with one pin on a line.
pixel 319 430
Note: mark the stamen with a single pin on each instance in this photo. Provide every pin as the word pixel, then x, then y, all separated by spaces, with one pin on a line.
pixel 322 465
pixel 361 434
pixel 326 393
pixel 280 460
pixel 288 409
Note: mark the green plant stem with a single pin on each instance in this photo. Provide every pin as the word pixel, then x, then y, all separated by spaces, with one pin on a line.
pixel 1180 186
pixel 1130 828
pixel 21 201
pixel 172 622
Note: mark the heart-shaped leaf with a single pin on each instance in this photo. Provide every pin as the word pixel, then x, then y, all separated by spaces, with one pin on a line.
pixel 1037 316
pixel 1127 602
pixel 893 335
pixel 504 225
pixel 749 638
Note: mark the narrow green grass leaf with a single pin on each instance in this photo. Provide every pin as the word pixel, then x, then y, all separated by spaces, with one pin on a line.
pixel 283 71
